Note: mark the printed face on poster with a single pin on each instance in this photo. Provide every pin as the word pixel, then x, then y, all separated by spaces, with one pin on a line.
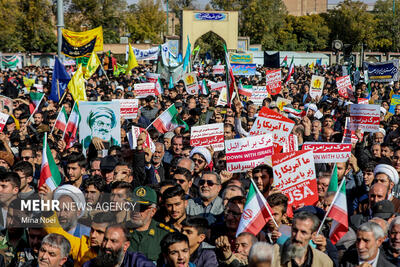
pixel 317 85
pixel 101 120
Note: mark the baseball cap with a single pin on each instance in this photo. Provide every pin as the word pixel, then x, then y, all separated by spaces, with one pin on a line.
pixel 145 195
pixel 108 163
pixel 383 209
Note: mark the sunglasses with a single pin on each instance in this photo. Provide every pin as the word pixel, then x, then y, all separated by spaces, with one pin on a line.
pixel 209 182
pixel 200 161
pixel 180 181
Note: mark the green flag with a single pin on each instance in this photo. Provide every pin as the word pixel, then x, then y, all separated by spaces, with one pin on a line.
pixel 333 184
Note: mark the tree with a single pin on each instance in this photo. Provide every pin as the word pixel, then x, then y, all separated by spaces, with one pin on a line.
pixel 94 13
pixel 10 37
pixel 177 5
pixel 388 24
pixel 311 33
pixel 146 21
pixel 212 43
pixel 36 26
pixel 352 24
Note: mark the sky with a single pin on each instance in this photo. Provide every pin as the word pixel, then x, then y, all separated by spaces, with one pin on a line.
pixel 202 3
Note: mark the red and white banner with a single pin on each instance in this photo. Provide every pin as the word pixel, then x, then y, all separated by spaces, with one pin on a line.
pixel 218 86
pixel 349 136
pixel 363 101
pixel 144 89
pixel 191 84
pixel 247 153
pixel 291 144
pixel 209 134
pixel 273 79
pixel 294 176
pixel 344 87
pixel 258 95
pixel 328 152
pixel 218 69
pixel 128 108
pixel 365 117
pixel 152 77
pixel 269 121
pixel 133 135
pixel 3 120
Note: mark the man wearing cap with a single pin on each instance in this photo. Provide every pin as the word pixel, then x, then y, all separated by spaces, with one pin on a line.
pixel 202 158
pixel 146 234
pixel 387 175
pixel 107 166
pixel 6 160
pixel 383 209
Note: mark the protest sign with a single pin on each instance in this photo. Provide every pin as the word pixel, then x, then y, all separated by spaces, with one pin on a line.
pixel 191 84
pixel 101 120
pixel 281 102
pixel 294 176
pixel 387 71
pixel 273 80
pixel 223 98
pixel 395 101
pixel 209 134
pixel 317 85
pixel 365 117
pixel 217 86
pixel 258 95
pixel 39 87
pixel 344 87
pixel 328 152
pixel 240 58
pixel 247 153
pixel 3 120
pixel 152 77
pixel 128 108
pixel 146 54
pixel 133 136
pixel 7 102
pixel 218 69
pixel 350 136
pixel 363 101
pixel 269 121
pixel 291 144
pixel 244 69
pixel 144 89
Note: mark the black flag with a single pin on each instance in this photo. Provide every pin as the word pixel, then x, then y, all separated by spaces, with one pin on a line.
pixel 271 61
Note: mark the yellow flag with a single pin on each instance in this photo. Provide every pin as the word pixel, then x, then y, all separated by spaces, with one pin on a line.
pixel 93 64
pixel 132 62
pixel 312 65
pixel 76 86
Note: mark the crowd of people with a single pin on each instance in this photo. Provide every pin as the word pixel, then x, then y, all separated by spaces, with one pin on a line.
pixel 178 205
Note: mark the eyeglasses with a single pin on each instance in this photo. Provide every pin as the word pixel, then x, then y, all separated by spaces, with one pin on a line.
pixel 26 158
pixel 180 181
pixel 200 161
pixel 209 182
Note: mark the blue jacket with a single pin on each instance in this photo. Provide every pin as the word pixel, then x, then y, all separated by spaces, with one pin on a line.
pixel 204 256
pixel 131 259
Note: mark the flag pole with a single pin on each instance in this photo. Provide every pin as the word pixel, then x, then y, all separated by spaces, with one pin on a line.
pixel 68 121
pixel 34 111
pixel 330 207
pixel 101 65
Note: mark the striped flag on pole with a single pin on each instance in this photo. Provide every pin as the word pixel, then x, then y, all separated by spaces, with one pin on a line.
pixel 71 129
pixel 49 173
pixel 168 121
pixel 61 121
pixel 256 212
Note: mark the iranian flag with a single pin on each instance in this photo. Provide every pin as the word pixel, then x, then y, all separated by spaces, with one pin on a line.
pixel 338 209
pixel 230 79
pixel 284 62
pixel 36 98
pixel 204 87
pixel 49 173
pixel 168 121
pixel 245 90
pixel 61 121
pixel 256 212
pixel 71 129
pixel 159 87
pixel 291 70
pixel 295 112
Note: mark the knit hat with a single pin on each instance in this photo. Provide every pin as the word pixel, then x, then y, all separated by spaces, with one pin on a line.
pixel 389 171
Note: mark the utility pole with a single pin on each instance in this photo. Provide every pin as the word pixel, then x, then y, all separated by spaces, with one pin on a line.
pixel 60 25
pixel 168 19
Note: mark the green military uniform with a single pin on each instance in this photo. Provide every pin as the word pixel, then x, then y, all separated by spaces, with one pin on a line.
pixel 8 251
pixel 148 241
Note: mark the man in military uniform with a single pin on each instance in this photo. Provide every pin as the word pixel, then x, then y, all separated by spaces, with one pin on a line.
pixel 146 234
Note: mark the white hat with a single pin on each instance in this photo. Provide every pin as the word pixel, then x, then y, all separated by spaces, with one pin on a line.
pixel 383 110
pixel 73 192
pixel 202 151
pixel 389 171
pixel 313 107
pixel 381 130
